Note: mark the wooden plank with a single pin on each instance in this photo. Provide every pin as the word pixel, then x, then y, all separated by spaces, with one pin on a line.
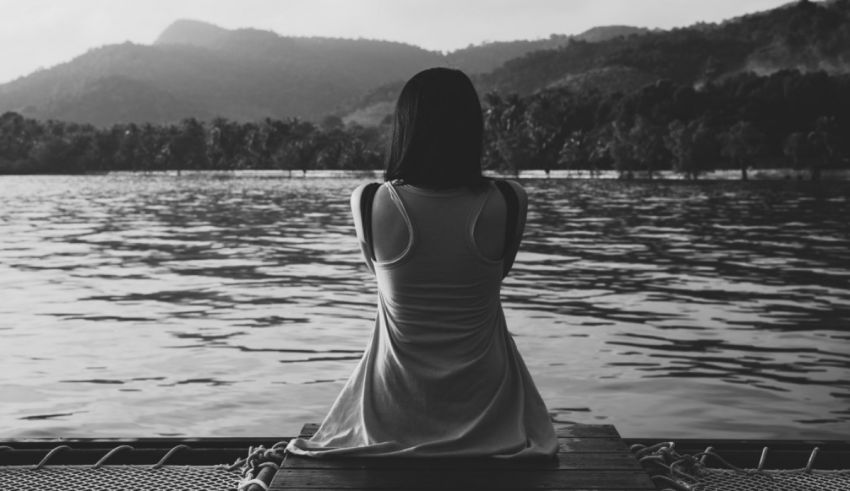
pixel 289 479
pixel 590 457
pixel 567 431
pixel 587 431
pixel 601 438
pixel 592 445
pixel 308 430
pixel 295 462
pixel 586 461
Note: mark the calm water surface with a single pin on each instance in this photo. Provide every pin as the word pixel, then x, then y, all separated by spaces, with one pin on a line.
pixel 235 305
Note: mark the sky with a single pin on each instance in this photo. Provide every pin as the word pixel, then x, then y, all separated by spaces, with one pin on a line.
pixel 38 34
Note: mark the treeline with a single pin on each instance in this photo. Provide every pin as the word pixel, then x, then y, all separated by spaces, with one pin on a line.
pixel 788 119
pixel 31 146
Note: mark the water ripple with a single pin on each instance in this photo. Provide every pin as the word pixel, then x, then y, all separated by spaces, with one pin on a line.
pixel 220 305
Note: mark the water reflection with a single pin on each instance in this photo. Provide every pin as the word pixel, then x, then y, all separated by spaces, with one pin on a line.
pixel 134 303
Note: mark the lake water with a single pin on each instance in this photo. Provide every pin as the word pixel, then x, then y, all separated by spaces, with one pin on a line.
pixel 237 305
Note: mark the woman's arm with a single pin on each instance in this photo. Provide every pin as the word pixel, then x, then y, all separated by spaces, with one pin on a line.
pixel 356 203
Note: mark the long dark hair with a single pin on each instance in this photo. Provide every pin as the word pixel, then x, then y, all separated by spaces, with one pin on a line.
pixel 437 132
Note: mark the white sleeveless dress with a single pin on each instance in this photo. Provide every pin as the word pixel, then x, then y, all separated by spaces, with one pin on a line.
pixel 441 376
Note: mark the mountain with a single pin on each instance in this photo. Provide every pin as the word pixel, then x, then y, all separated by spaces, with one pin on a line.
pixel 802 35
pixel 200 70
pixel 196 69
pixel 486 57
pixel 193 33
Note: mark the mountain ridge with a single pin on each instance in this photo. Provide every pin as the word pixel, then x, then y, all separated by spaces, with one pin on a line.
pixel 197 69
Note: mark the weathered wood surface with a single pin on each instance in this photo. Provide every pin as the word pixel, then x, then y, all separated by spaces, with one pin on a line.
pixel 590 457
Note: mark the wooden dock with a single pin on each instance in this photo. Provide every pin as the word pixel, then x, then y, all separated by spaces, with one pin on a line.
pixel 590 457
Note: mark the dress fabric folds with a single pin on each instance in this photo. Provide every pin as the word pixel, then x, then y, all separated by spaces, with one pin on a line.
pixel 441 376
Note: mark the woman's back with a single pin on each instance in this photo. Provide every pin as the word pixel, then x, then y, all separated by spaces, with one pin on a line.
pixel 442 375
pixel 433 280
pixel 387 217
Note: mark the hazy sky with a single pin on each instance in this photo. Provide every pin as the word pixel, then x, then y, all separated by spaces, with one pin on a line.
pixel 43 33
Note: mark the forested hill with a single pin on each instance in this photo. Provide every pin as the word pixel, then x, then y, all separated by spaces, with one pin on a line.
pixel 200 70
pixel 243 75
pixel 803 35
pixel 195 69
pixel 483 58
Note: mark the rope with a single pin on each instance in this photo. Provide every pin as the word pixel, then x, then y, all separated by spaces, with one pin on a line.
pixel 109 454
pixel 258 482
pixel 811 460
pixel 681 472
pixel 261 462
pixel 50 454
pixel 168 455
pixel 257 468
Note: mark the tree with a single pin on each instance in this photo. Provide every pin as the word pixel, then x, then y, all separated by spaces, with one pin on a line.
pixel 742 144
pixel 796 149
pixel 692 145
pixel 576 151
pixel 187 146
pixel 637 147
pixel 508 142
pixel 648 143
pixel 621 150
pixel 822 145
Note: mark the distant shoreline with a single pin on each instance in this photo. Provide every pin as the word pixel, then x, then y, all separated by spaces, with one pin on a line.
pixel 778 174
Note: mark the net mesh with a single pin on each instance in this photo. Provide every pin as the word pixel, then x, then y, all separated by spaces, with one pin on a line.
pixel 731 480
pixel 124 477
pixel 672 470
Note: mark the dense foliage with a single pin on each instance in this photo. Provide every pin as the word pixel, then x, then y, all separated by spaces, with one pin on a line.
pixel 30 146
pixel 787 119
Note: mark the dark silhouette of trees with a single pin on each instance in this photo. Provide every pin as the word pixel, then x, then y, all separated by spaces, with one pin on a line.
pixel 746 121
pixel 693 146
pixel 30 146
pixel 742 144
pixel 786 118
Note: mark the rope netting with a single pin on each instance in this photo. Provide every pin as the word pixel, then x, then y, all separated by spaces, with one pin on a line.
pixel 124 477
pixel 675 471
pixel 251 473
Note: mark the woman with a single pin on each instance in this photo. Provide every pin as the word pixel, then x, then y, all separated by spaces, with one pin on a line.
pixel 441 375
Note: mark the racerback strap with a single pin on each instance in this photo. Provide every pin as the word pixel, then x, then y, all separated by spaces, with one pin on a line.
pixel 366 199
pixel 511 200
pixel 512 203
